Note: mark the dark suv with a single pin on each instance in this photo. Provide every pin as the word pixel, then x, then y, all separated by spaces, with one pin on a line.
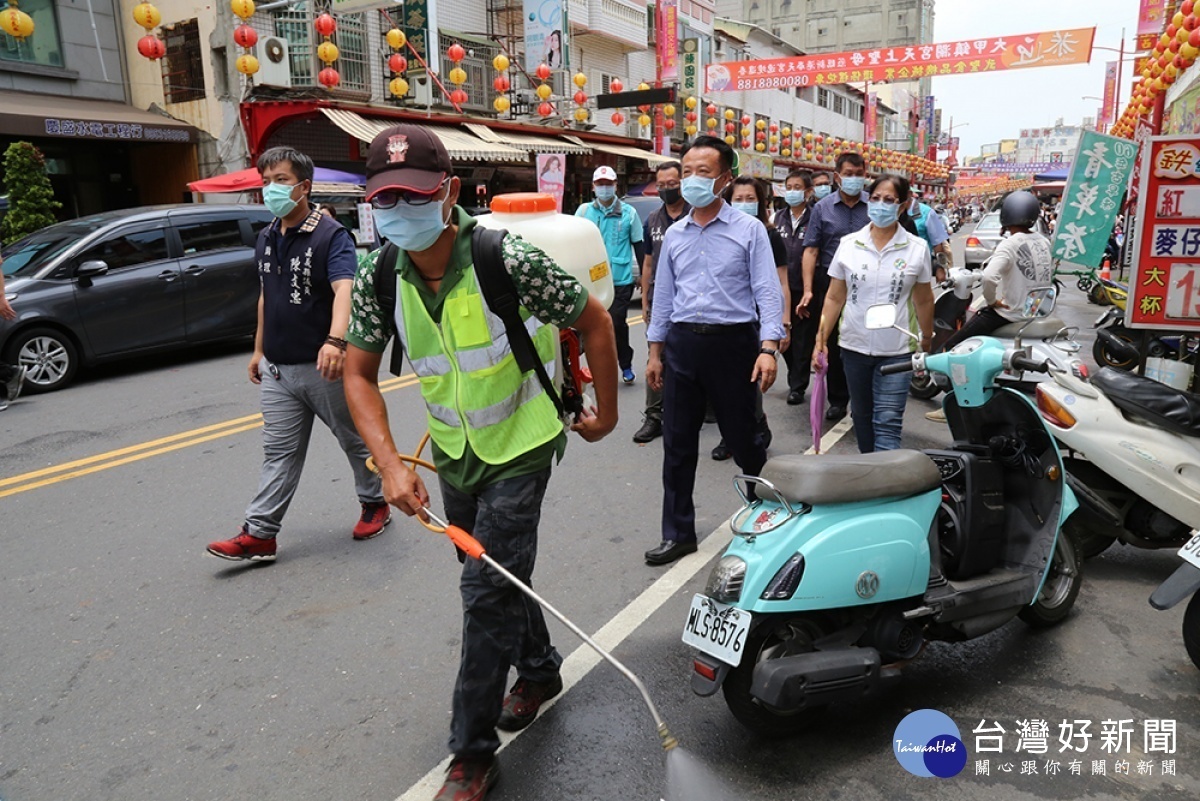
pixel 129 282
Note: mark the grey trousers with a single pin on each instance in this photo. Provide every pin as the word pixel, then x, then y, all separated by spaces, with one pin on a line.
pixel 291 395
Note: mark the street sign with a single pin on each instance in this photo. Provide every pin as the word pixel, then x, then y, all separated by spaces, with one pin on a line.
pixel 644 97
pixel 1165 285
pixel 1098 180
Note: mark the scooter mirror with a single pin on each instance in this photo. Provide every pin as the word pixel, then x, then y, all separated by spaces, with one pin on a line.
pixel 1039 302
pixel 880 316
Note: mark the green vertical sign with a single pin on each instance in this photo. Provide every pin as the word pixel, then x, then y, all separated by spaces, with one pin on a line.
pixel 416 29
pixel 1092 198
pixel 689 83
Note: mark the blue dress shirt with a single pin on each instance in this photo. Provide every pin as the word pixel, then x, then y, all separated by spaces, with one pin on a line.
pixel 721 273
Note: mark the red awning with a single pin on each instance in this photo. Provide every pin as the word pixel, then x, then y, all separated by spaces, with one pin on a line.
pixel 241 181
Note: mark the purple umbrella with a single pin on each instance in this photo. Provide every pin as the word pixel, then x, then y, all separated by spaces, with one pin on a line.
pixel 816 405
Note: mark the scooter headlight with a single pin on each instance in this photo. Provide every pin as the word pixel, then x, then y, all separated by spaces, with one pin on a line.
pixel 726 580
pixel 787 579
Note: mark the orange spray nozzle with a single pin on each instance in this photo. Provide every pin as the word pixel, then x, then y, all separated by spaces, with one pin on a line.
pixel 465 541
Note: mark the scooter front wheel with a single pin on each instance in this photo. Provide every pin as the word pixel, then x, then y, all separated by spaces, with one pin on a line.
pixel 1191 629
pixel 1059 590
pixel 771 641
pixel 923 388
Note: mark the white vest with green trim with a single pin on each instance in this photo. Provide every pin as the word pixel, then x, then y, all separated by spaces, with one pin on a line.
pixel 473 389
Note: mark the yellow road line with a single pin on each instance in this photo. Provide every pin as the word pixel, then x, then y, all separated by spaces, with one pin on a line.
pixel 144 450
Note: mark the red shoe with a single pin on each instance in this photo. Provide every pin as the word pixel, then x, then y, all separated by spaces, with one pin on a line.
pixel 245 547
pixel 524 700
pixel 469 779
pixel 374 517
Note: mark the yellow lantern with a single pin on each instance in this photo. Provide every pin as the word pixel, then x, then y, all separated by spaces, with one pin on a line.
pixel 581 115
pixel 786 131
pixel 396 40
pixel 501 104
pixel 500 63
pixel 243 9
pixel 669 110
pixel 729 140
pixel 760 147
pixel 327 52
pixel 711 122
pixel 398 87
pixel 729 115
pixel 643 86
pixel 457 76
pixel 544 91
pixel 761 125
pixel 146 15
pixel 247 64
pixel 689 103
pixel 644 120
pixel 580 80
pixel 785 152
pixel 691 130
pixel 16 23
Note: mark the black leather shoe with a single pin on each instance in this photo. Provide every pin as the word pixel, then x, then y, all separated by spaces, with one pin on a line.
pixel 795 397
pixel 835 413
pixel 668 551
pixel 651 429
pixel 721 452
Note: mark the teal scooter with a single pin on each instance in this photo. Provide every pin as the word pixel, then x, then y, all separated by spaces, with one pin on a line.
pixel 842 568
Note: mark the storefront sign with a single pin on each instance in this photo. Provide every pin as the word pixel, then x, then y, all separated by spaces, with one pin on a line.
pixel 1183 117
pixel 689 84
pixel 1092 198
pixel 1108 110
pixel 869 119
pixel 1150 23
pixel 1047 49
pixel 667 36
pixel 755 164
pixel 1165 285
pixel 420 29
pixel 544 33
pixel 84 129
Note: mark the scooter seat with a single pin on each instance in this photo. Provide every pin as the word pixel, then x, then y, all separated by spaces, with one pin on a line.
pixel 1041 328
pixel 1156 403
pixel 852 477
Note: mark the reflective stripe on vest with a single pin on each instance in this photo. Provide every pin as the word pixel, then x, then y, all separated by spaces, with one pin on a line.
pixel 473 389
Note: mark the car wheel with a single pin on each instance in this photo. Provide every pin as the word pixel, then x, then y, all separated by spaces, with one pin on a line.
pixel 49 357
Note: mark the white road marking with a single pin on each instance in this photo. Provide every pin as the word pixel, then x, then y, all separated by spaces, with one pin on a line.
pixel 581 661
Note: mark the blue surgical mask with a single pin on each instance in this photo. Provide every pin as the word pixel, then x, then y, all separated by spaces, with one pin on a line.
pixel 746 206
pixel 883 214
pixel 698 190
pixel 853 184
pixel 822 190
pixel 411 228
pixel 794 197
pixel 278 199
pixel 605 193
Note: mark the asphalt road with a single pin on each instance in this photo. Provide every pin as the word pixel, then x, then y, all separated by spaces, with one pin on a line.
pixel 133 666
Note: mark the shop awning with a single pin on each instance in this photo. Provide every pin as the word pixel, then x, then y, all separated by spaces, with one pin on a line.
pixel 459 143
pixel 531 143
pixel 248 180
pixel 628 152
pixel 54 117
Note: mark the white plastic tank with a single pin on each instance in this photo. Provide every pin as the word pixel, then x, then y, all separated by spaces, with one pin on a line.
pixel 574 243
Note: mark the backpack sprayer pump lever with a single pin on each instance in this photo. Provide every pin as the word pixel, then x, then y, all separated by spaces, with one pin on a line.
pixel 475 550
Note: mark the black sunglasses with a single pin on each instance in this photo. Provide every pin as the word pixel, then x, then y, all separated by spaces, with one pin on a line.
pixel 388 198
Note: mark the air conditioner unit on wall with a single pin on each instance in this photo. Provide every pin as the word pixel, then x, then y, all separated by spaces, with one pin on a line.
pixel 274 63
pixel 422 91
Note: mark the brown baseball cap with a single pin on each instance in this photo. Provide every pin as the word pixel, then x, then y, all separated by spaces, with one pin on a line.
pixel 407 157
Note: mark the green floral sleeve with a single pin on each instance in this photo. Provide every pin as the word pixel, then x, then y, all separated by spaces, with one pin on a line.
pixel 549 292
pixel 368 330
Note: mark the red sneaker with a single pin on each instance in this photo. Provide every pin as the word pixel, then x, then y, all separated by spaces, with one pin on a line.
pixel 524 700
pixel 469 779
pixel 244 547
pixel 374 517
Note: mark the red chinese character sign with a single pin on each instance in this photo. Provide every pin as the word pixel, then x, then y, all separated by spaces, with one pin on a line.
pixel 1047 49
pixel 1165 287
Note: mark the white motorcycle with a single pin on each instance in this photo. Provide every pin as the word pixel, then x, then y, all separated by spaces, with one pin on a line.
pixel 1133 455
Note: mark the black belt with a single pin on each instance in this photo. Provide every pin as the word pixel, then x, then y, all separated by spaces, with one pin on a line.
pixel 710 328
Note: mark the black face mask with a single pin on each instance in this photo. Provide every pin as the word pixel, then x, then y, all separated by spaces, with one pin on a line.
pixel 670 196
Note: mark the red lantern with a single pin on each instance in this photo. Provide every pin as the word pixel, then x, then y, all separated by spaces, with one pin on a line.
pixel 325 25
pixel 730 127
pixel 745 144
pixel 580 97
pixel 773 128
pixel 710 110
pixel 617 117
pixel 545 109
pixel 245 36
pixel 397 63
pixel 745 119
pixel 615 85
pixel 644 109
pixel 151 47
pixel 501 84
pixel 761 136
pixel 458 97
pixel 669 124
pixel 456 53
pixel 1188 7
pixel 329 77
pixel 690 116
pixel 543 72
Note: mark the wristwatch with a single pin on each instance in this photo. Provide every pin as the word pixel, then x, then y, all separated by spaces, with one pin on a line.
pixel 769 351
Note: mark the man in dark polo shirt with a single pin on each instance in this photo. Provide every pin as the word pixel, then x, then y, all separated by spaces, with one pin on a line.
pixel 306 264
pixel 842 212
pixel 674 207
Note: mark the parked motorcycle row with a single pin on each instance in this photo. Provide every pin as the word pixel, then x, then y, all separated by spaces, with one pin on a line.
pixel 843 568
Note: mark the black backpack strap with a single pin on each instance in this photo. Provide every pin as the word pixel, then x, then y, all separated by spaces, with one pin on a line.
pixel 386 279
pixel 501 296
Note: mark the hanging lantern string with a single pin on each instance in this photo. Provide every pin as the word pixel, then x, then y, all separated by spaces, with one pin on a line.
pixel 425 64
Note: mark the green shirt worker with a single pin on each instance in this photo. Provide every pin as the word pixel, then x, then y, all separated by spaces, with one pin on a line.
pixel 494 430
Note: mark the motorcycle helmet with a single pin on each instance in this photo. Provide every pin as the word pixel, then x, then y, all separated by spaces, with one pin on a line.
pixel 1020 209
